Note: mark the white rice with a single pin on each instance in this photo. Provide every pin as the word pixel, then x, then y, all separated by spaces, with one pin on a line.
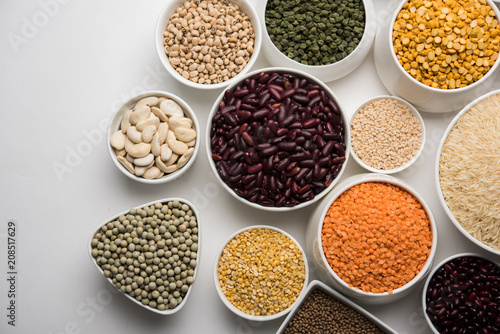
pixel 469 171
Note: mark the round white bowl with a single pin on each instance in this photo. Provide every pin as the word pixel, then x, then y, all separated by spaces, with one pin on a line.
pixel 233 308
pixel 184 300
pixel 436 174
pixel 328 72
pixel 162 23
pixel 425 98
pixel 434 270
pixel 414 112
pixel 346 138
pixel 315 248
pixel 114 125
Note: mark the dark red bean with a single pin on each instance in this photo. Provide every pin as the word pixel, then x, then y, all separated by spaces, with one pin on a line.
pixel 255 168
pixel 307 163
pixel 259 114
pixel 268 151
pixel 286 146
pixel 268 163
pixel 334 107
pixel 302 99
pixel 246 179
pixel 298 156
pixel 282 165
pixel 281 132
pixel 301 173
pixel 263 78
pixel 274 93
pixel 293 171
pixel 230 118
pixel 338 160
pixel 264 99
pixel 338 147
pixel 216 157
pixel 299 140
pixel 241 92
pixel 327 148
pixel 276 140
pixel 287 93
pixel 320 142
pixel 236 155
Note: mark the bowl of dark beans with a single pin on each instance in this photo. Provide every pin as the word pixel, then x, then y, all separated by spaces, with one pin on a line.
pixel 462 295
pixel 277 139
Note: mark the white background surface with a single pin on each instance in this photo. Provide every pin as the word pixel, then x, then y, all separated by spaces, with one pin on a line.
pixel 64 69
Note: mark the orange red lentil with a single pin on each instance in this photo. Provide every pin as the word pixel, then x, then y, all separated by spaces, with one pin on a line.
pixel 376 237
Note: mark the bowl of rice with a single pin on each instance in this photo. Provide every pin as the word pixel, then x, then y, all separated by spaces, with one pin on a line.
pixel 468 171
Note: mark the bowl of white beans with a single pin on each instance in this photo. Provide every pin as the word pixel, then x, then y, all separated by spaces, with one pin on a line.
pixel 208 44
pixel 152 138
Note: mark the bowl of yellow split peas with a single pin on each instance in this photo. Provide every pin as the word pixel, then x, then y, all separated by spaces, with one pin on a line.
pixel 439 55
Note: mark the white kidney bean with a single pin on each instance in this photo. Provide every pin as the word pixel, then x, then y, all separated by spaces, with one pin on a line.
pixel 117 140
pixel 134 135
pixel 148 133
pixel 155 137
pixel 139 114
pixel 141 162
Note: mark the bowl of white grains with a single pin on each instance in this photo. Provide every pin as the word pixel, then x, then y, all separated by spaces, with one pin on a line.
pixel 468 171
pixel 208 44
pixel 387 134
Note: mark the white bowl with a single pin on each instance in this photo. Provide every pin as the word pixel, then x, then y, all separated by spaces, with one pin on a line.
pixel 114 125
pixel 161 25
pixel 425 98
pixel 328 72
pixel 409 163
pixel 327 90
pixel 315 248
pixel 436 174
pixel 233 308
pixel 435 269
pixel 147 307
pixel 318 285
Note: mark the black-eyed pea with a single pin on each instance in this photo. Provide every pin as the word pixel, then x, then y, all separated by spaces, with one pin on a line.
pixel 159 113
pixel 139 150
pixel 155 145
pixel 145 161
pixel 153 120
pixel 165 152
pixel 134 135
pixel 125 123
pixel 125 163
pixel 152 173
pixel 117 140
pixel 139 114
pixel 148 133
pixel 184 134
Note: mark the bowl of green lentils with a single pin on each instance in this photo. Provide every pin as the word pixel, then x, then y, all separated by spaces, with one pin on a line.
pixel 327 39
pixel 150 253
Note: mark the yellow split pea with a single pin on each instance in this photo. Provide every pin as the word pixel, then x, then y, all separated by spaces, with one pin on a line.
pixel 446 44
pixel 261 271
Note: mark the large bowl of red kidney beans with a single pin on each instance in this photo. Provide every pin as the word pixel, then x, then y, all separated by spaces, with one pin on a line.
pixel 277 140
pixel 462 295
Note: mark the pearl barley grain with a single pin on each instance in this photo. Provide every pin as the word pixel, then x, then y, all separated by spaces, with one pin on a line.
pixel 385 134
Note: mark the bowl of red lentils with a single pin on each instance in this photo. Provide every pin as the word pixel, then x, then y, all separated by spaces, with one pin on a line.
pixel 373 238
pixel 387 134
pixel 208 44
pixel 439 55
pixel 260 273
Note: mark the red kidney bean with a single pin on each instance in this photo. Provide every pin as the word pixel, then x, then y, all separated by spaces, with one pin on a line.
pixel 280 145
pixel 338 147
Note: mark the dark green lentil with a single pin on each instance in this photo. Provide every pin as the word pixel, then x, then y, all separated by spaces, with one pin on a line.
pixel 315 32
pixel 321 313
